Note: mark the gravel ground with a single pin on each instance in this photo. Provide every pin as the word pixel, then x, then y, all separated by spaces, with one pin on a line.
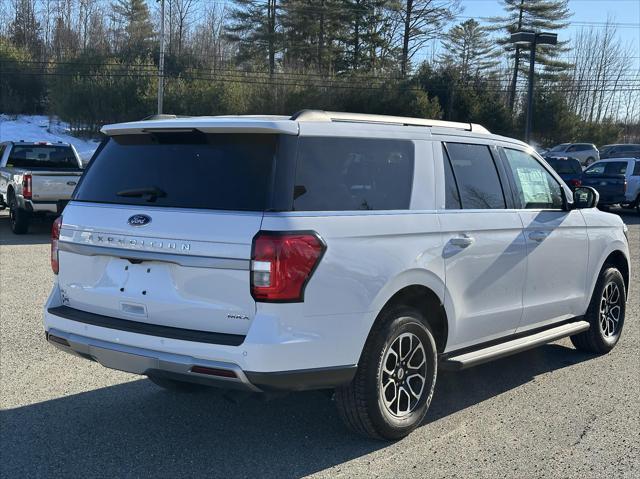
pixel 550 412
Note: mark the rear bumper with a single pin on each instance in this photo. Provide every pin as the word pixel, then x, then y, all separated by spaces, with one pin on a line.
pixel 186 368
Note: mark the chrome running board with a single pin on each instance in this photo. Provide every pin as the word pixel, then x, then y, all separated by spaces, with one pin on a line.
pixel 473 358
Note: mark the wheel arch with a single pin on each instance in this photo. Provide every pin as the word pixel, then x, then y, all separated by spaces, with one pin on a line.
pixel 422 290
pixel 618 259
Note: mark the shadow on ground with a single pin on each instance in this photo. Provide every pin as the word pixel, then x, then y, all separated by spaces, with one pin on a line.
pixel 39 231
pixel 136 429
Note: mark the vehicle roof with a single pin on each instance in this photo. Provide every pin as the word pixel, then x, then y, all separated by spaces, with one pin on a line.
pixel 291 124
pixel 609 160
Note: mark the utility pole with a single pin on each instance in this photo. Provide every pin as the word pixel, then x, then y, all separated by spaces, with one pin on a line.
pixel 161 61
pixel 527 37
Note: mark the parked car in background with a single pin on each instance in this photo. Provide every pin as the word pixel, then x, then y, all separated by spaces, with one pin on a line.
pixel 617 180
pixel 626 150
pixel 36 178
pixel 569 169
pixel 328 251
pixel 586 153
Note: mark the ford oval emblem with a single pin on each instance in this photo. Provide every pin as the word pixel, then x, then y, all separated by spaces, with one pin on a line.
pixel 139 220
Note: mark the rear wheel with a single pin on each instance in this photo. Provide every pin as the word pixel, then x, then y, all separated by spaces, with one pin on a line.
pixel 179 386
pixel 392 390
pixel 18 218
pixel 605 314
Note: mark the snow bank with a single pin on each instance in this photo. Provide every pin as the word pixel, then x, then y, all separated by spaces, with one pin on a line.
pixel 43 128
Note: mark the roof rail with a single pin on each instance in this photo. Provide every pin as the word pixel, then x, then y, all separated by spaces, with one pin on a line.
pixel 334 116
pixel 162 116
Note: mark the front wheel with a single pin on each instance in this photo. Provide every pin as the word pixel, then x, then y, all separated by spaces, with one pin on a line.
pixel 393 387
pixel 605 314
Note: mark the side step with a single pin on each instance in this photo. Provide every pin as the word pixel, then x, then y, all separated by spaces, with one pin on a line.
pixel 473 358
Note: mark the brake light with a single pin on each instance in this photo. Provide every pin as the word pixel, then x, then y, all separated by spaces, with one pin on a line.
pixel 26 187
pixel 575 183
pixel 282 264
pixel 55 236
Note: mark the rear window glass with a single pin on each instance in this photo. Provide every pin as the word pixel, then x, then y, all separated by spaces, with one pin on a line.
pixel 42 156
pixel 183 170
pixel 343 174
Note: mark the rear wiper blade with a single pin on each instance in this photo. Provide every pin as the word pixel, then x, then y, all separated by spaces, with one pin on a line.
pixel 152 192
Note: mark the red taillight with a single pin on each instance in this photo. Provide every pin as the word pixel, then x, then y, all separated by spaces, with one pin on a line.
pixel 55 236
pixel 575 183
pixel 282 264
pixel 26 187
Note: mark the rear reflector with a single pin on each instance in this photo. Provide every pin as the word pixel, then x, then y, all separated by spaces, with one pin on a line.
pixel 224 373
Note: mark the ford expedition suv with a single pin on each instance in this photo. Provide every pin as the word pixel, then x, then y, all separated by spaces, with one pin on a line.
pixel 35 179
pixel 358 253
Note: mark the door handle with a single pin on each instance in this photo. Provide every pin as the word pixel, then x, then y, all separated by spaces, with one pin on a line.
pixel 538 236
pixel 462 241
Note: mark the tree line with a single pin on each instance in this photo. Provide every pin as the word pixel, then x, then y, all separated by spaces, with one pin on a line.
pixel 95 61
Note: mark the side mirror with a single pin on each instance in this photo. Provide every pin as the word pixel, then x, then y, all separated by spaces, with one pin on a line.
pixel 585 197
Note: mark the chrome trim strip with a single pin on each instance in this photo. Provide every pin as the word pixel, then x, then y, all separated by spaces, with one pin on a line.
pixel 141 361
pixel 182 260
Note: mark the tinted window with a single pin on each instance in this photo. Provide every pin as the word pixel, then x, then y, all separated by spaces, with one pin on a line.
pixel 42 156
pixel 636 169
pixel 560 147
pixel 341 174
pixel 185 170
pixel 476 176
pixel 535 187
pixel 565 167
pixel 452 195
pixel 615 168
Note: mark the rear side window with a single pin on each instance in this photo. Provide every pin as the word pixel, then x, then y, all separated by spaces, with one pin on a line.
pixel 183 170
pixel 343 174
pixel 636 169
pixel 615 168
pixel 476 176
pixel 452 195
pixel 42 156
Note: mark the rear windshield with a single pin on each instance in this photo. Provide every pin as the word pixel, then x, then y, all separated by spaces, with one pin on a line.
pixel 343 174
pixel 565 167
pixel 183 170
pixel 42 157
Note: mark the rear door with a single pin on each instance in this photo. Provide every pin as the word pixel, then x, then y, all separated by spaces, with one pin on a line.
pixel 161 226
pixel 484 250
pixel 556 243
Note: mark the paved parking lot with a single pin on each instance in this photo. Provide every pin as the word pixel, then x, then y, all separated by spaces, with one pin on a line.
pixel 550 412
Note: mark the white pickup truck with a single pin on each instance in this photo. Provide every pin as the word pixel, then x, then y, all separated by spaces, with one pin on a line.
pixel 36 179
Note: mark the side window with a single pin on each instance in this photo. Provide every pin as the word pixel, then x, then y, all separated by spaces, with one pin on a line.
pixel 476 176
pixel 452 195
pixel 615 168
pixel 636 169
pixel 572 148
pixel 343 174
pixel 535 187
pixel 2 147
pixel 595 170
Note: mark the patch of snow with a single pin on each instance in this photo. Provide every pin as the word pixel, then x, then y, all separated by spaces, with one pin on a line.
pixel 43 128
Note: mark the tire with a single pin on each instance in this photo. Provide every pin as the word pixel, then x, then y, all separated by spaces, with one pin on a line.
pixel 362 405
pixel 18 218
pixel 609 296
pixel 178 386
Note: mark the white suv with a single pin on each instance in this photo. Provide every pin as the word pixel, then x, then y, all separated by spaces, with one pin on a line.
pixel 328 251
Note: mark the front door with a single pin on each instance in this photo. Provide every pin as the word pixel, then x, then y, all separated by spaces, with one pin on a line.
pixel 556 240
